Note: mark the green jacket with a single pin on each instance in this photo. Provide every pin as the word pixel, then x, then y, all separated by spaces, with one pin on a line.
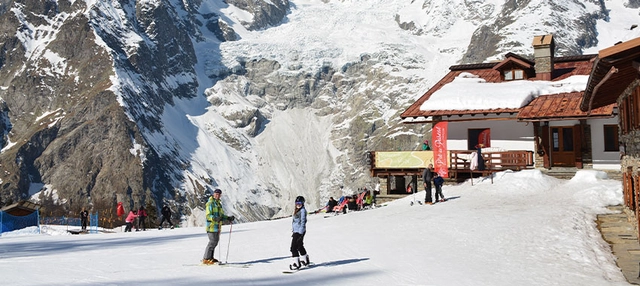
pixel 215 215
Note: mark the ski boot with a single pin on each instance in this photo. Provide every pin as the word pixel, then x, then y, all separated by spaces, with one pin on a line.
pixel 305 260
pixel 296 264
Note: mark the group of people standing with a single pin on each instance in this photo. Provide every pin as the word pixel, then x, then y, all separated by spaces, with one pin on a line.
pixel 215 216
pixel 138 219
pixel 130 220
pixel 429 176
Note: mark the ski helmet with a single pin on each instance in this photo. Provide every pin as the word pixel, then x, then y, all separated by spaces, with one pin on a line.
pixel 300 199
pixel 217 191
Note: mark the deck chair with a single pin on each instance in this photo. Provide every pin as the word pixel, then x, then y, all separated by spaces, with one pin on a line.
pixel 342 203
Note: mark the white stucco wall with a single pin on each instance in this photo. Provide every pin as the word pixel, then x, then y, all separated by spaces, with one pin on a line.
pixel 512 135
pixel 603 160
pixel 507 134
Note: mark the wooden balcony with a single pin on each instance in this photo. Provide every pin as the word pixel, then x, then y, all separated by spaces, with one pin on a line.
pixel 411 163
pixel 494 161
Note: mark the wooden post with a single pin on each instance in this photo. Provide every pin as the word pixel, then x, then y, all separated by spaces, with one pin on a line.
pixel 635 185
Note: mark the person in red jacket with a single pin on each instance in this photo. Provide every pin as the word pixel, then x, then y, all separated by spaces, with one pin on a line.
pixel 129 220
pixel 142 217
pixel 120 209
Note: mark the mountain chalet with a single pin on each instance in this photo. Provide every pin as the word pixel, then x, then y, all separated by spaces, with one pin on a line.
pixel 514 114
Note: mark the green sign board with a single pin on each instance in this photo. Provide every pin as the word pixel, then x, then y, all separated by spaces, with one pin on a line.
pixel 404 159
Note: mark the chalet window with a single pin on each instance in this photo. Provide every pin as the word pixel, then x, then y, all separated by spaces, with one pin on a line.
pixel 513 74
pixel 611 138
pixel 508 75
pixel 518 74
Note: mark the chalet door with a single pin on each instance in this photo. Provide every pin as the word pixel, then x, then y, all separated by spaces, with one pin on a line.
pixel 562 146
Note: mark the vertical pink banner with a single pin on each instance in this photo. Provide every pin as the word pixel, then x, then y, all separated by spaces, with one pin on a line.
pixel 439 138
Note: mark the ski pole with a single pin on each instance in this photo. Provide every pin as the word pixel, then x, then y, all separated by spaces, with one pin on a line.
pixel 229 244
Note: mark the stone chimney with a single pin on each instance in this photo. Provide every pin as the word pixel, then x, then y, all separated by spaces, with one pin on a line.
pixel 543 47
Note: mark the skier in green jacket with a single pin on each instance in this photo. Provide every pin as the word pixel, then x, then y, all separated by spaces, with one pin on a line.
pixel 215 215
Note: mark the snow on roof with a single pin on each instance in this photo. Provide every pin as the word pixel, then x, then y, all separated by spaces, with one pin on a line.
pixel 469 91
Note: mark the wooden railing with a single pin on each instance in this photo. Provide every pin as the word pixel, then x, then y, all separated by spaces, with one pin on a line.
pixel 493 161
pixel 412 163
pixel 459 161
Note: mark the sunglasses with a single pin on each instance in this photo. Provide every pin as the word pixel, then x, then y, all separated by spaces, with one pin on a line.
pixel 298 203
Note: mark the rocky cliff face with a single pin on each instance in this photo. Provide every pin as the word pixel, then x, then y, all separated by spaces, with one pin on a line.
pixel 87 88
pixel 573 23
pixel 76 118
pixel 67 129
pixel 578 32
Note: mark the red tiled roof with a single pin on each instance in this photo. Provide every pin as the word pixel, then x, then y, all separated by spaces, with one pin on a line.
pixel 564 67
pixel 559 106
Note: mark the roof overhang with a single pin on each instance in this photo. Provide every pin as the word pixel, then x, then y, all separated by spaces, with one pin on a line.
pixel 514 61
pixel 462 115
pixel 614 70
pixel 21 208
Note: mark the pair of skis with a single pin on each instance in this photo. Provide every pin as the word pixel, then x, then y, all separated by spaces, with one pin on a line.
pixel 414 198
pixel 247 265
pixel 235 265
pixel 433 203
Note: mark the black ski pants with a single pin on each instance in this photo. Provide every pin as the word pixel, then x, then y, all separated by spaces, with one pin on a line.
pixel 128 227
pixel 427 190
pixel 166 218
pixel 439 195
pixel 297 245
pixel 141 223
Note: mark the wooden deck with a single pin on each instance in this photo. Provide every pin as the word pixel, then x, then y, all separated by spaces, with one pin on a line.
pixel 459 163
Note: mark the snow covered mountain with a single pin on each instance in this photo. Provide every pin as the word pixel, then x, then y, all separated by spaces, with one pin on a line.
pixel 156 101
